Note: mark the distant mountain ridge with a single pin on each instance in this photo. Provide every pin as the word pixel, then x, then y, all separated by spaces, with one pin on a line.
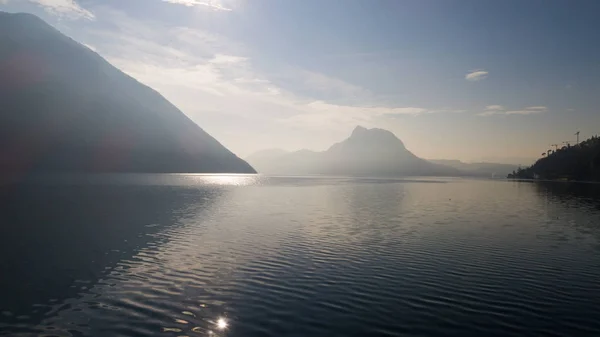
pixel 483 169
pixel 65 108
pixel 367 152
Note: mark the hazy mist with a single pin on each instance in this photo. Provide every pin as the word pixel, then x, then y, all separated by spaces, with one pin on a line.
pixel 451 79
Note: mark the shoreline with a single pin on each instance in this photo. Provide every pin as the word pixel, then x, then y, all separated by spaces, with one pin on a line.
pixel 555 180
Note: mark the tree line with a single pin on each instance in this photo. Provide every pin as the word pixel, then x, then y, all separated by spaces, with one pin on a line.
pixel 578 162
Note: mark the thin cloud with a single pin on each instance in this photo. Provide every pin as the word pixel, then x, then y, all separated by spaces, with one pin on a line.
pixel 320 114
pixel 532 110
pixel 212 4
pixel 227 59
pixel 490 113
pixel 318 86
pixel 328 85
pixel 476 75
pixel 65 8
pixel 492 110
pixel 197 66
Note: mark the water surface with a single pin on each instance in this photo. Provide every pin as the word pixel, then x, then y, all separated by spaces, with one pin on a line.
pixel 193 255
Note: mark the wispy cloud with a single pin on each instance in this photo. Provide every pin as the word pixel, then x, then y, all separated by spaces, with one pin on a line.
pixel 201 71
pixel 227 59
pixel 491 110
pixel 494 108
pixel 212 4
pixel 528 111
pixel 320 114
pixel 329 86
pixel 476 75
pixel 64 8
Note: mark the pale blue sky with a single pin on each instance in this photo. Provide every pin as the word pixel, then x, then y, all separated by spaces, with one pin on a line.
pixel 469 79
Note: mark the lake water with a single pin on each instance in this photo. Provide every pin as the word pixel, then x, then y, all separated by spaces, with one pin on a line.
pixel 194 255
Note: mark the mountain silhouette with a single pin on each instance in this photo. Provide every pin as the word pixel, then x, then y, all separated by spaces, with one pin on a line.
pixel 367 152
pixel 64 108
pixel 481 169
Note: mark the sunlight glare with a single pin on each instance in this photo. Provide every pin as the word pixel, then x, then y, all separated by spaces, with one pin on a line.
pixel 222 323
pixel 224 179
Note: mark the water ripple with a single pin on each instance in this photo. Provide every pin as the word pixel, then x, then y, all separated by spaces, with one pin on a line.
pixel 334 257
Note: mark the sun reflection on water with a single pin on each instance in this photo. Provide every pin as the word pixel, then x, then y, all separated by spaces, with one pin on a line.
pixel 224 179
pixel 222 323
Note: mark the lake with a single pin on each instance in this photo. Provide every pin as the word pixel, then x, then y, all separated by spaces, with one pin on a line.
pixel 227 255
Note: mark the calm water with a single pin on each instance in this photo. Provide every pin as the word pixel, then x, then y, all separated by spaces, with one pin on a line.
pixel 181 255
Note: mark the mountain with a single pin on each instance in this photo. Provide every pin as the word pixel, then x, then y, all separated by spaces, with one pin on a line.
pixel 64 108
pixel 478 169
pixel 367 152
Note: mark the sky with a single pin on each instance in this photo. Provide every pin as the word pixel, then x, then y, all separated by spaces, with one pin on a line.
pixel 454 79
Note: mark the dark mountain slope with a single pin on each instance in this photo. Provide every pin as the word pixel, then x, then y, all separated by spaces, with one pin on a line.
pixel 64 108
